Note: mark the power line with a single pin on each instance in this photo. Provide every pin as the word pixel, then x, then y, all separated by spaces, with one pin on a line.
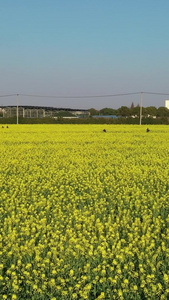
pixel 83 97
pixel 151 93
pixel 73 97
pixel 8 95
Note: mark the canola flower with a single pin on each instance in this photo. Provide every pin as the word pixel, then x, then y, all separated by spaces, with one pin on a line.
pixel 84 214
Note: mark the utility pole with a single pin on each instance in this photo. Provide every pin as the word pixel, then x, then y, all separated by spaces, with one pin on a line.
pixel 17 110
pixel 141 106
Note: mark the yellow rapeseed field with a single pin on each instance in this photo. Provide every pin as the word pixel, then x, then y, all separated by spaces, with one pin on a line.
pixel 84 214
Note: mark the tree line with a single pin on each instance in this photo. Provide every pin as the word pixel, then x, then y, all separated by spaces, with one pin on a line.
pixel 125 111
pixel 126 115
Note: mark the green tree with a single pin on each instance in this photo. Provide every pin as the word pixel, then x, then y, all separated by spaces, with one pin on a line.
pixel 93 112
pixel 108 111
pixel 132 105
pixel 135 111
pixel 162 112
pixel 150 111
pixel 64 113
pixel 124 111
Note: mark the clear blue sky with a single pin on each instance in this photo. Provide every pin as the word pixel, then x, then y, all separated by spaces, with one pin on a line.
pixel 89 47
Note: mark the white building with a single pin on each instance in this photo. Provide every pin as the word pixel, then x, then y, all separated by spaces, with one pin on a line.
pixel 167 103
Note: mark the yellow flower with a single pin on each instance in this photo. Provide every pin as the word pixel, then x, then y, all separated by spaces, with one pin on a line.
pixel 71 273
pixel 166 279
pixel 102 296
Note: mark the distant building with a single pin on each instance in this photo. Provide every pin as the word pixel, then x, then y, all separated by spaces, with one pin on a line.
pixel 42 112
pixel 106 116
pixel 167 103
